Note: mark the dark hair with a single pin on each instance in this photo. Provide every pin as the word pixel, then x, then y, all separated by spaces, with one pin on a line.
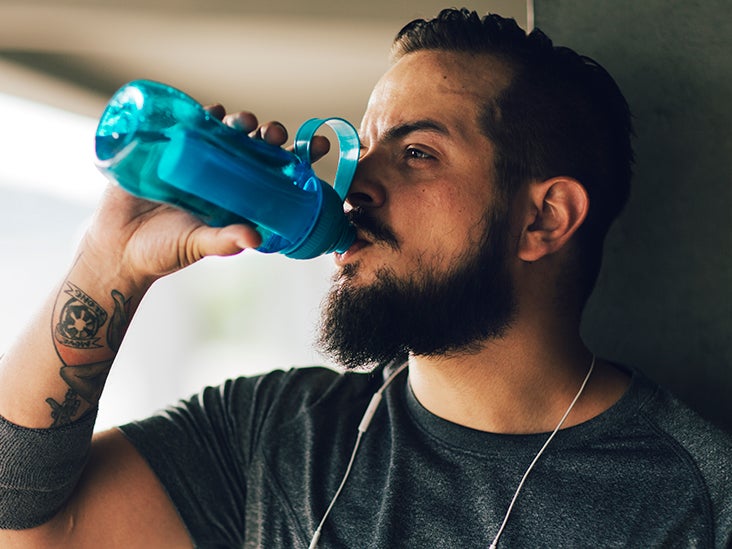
pixel 561 114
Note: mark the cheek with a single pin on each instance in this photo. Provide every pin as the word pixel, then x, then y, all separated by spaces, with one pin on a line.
pixel 461 215
pixel 426 216
pixel 443 231
pixel 438 218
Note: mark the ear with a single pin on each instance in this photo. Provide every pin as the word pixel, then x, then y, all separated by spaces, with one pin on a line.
pixel 556 208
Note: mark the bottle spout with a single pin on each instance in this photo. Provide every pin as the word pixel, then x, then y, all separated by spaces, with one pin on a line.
pixel 331 232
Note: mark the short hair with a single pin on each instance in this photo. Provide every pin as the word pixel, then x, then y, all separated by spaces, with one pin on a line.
pixel 562 114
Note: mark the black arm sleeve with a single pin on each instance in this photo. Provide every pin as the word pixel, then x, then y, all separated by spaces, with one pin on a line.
pixel 39 469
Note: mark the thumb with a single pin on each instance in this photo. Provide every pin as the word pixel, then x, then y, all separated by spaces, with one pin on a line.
pixel 223 241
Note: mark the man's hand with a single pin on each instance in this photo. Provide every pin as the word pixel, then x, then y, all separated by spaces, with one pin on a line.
pixel 147 240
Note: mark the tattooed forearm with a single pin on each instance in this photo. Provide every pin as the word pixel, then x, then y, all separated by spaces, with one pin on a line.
pixel 79 344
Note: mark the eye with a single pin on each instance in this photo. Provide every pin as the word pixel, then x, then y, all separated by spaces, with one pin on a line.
pixel 417 154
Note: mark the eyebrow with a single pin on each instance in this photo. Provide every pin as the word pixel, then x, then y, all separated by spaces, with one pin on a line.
pixel 402 130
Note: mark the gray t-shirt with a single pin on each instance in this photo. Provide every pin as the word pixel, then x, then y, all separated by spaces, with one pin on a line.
pixel 255 462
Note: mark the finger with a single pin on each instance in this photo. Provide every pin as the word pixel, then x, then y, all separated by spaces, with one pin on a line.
pixel 273 133
pixel 244 121
pixel 216 110
pixel 319 147
pixel 244 236
pixel 223 241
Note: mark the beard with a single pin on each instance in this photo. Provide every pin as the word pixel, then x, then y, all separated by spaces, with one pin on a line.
pixel 427 313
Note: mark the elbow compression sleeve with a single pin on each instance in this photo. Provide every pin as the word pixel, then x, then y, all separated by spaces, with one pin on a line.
pixel 39 469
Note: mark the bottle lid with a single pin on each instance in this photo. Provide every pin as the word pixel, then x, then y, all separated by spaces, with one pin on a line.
pixel 331 231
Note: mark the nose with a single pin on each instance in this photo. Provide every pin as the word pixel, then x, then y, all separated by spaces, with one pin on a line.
pixel 366 190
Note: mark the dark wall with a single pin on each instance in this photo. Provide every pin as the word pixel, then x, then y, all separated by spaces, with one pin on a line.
pixel 664 298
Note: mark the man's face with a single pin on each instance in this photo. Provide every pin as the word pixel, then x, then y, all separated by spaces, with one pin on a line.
pixel 426 168
pixel 428 271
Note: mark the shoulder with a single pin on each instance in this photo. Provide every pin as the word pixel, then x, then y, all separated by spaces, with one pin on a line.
pixel 245 405
pixel 282 394
pixel 304 386
pixel 706 447
pixel 672 418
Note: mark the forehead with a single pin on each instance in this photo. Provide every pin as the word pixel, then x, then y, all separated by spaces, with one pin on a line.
pixel 451 86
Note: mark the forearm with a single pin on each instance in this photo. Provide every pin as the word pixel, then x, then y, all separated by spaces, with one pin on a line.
pixel 56 370
pixel 50 383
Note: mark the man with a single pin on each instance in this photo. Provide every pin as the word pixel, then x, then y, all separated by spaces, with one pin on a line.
pixel 492 166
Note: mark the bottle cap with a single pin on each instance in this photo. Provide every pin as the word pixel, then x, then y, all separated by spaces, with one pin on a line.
pixel 331 231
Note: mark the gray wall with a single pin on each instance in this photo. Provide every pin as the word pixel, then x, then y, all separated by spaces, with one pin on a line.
pixel 664 298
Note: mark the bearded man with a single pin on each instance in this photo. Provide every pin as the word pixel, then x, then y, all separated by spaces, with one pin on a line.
pixel 492 165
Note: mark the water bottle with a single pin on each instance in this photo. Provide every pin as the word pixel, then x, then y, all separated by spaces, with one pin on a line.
pixel 159 144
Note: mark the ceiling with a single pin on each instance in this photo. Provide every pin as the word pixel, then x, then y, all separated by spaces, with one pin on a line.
pixel 288 60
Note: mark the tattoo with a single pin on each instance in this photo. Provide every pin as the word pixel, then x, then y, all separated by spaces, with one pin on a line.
pixel 63 413
pixel 80 320
pixel 119 321
pixel 78 327
pixel 87 380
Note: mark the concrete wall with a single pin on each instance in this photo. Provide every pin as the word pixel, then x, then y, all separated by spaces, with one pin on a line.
pixel 664 298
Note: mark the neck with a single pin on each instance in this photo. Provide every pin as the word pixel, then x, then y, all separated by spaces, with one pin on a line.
pixel 515 389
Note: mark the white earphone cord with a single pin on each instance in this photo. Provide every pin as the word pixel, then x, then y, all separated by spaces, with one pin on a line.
pixel 369 414
pixel 365 422
pixel 494 543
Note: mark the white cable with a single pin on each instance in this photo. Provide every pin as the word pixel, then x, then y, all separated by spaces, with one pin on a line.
pixel 494 543
pixel 316 536
pixel 369 414
pixel 363 425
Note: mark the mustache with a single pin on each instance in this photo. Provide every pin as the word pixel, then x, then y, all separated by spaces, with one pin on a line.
pixel 373 228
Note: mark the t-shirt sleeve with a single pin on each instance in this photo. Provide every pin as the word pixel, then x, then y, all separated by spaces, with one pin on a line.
pixel 200 450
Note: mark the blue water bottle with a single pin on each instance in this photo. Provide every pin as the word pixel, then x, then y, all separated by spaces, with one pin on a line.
pixel 158 143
